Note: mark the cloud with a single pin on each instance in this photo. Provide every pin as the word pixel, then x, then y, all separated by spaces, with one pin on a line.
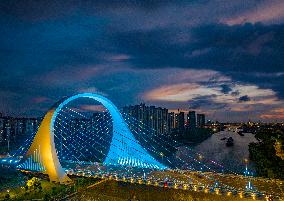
pixel 206 102
pixel 235 93
pixel 228 47
pixel 93 108
pixel 277 113
pixel 189 91
pixel 120 57
pixel 225 89
pixel 272 116
pixel 210 97
pixel 238 51
pixel 179 92
pixel 265 11
pixel 92 90
pixel 244 98
pixel 41 100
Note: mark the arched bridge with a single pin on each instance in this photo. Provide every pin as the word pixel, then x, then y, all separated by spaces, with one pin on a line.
pixel 124 148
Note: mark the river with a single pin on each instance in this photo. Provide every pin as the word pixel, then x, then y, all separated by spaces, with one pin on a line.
pixel 215 149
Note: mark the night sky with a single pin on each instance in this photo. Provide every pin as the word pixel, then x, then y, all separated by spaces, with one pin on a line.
pixel 223 58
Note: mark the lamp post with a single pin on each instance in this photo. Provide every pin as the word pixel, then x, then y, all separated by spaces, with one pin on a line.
pixel 162 155
pixel 200 157
pixel 247 173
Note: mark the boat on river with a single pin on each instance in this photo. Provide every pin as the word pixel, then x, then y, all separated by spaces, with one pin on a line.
pixel 230 142
pixel 241 133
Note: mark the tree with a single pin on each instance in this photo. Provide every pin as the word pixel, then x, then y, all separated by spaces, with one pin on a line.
pixel 26 188
pixel 53 190
pixel 263 154
pixel 7 196
pixel 33 184
pixel 47 197
pixel 40 187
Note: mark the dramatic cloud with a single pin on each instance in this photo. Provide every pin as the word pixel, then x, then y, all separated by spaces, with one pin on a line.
pixel 209 97
pixel 215 56
pixel 244 98
pixel 225 89
pixel 276 114
pixel 265 11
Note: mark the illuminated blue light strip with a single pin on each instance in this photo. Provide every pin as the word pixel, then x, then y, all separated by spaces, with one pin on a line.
pixel 132 162
pixel 119 126
pixel 33 163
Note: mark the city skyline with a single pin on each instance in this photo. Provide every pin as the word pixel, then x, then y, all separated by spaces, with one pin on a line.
pixel 92 110
pixel 223 60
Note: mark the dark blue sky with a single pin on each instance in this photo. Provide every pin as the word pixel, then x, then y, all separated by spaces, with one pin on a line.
pixel 223 58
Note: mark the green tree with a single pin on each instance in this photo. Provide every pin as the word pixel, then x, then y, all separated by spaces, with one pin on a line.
pixel 263 153
pixel 46 197
pixel 53 190
pixel 7 197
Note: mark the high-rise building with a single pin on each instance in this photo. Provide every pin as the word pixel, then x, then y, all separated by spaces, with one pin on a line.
pixel 171 121
pixel 151 116
pixel 191 119
pixel 1 130
pixel 179 121
pixel 14 131
pixel 7 131
pixel 200 120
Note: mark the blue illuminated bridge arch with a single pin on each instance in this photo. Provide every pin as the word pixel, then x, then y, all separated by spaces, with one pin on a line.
pixel 124 149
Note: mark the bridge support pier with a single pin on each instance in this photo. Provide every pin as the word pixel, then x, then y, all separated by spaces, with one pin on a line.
pixel 44 144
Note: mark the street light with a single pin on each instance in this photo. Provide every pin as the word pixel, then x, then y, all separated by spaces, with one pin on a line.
pixel 162 155
pixel 247 173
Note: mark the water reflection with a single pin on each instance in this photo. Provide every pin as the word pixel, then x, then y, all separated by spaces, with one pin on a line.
pixel 215 149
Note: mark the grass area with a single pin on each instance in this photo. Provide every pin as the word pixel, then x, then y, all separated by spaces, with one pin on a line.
pixel 20 193
pixel 42 189
pixel 97 189
pixel 113 190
